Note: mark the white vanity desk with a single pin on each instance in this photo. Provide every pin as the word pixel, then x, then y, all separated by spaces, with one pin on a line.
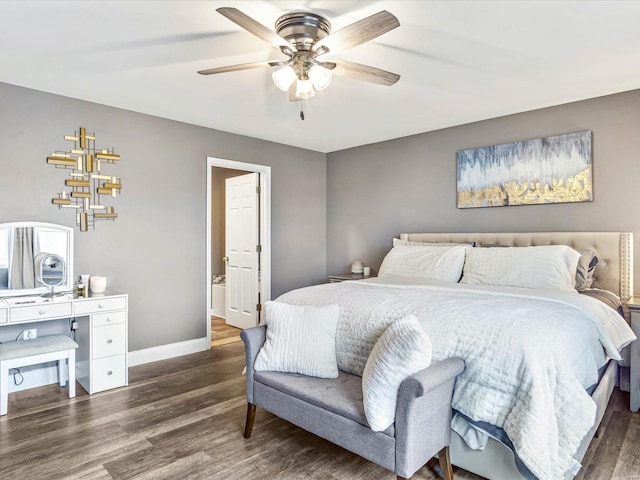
pixel 101 332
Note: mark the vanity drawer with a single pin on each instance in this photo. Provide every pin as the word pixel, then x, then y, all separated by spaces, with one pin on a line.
pixel 108 340
pixel 41 311
pixel 109 372
pixel 98 305
pixel 3 315
pixel 112 318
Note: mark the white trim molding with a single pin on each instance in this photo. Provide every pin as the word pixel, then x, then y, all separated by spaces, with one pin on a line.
pixel 163 352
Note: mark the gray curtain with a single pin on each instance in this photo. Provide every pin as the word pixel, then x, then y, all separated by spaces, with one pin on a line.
pixel 21 266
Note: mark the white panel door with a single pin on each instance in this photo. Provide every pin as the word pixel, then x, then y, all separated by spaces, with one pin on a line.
pixel 242 240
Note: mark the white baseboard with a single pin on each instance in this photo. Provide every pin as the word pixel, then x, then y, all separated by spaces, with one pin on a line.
pixel 163 352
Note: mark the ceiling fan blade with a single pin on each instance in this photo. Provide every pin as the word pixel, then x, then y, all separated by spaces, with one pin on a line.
pixel 359 32
pixel 256 28
pixel 235 68
pixel 364 73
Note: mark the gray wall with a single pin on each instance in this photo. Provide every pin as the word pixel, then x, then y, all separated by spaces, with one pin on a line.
pixel 155 250
pixel 378 191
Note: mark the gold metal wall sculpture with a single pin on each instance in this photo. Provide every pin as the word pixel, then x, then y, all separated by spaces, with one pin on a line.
pixel 88 185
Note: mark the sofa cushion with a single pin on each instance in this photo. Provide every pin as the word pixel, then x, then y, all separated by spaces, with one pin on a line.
pixel 342 395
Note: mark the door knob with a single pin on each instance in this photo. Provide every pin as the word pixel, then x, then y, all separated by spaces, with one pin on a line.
pixel 225 259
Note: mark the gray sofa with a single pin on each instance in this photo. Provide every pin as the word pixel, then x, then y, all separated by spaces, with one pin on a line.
pixel 333 409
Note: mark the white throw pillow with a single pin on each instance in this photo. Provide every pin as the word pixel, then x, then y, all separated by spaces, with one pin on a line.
pixel 549 266
pixel 403 349
pixel 300 339
pixel 426 262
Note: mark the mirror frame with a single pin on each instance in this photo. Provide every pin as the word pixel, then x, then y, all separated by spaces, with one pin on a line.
pixel 67 286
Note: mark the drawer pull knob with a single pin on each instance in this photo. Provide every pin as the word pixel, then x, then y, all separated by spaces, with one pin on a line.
pixel 108 319
pixel 110 372
pixel 42 312
pixel 100 305
pixel 109 341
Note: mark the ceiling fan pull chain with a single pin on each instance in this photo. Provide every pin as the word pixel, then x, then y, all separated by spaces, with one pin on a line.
pixel 301 112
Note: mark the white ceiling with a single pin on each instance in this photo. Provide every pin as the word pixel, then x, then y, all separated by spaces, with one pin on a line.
pixel 459 62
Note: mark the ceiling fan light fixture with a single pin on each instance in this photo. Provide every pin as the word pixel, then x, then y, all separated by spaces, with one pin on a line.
pixel 303 37
pixel 320 77
pixel 284 78
pixel 304 89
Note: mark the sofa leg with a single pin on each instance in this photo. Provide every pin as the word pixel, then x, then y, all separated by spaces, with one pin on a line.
pixel 403 478
pixel 251 416
pixel 445 463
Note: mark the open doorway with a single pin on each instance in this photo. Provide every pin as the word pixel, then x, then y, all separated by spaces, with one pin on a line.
pixel 238 247
pixel 222 331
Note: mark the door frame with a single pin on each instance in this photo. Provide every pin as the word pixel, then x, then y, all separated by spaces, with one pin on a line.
pixel 265 228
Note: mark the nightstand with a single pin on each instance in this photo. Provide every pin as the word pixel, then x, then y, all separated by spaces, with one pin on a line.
pixel 634 380
pixel 341 277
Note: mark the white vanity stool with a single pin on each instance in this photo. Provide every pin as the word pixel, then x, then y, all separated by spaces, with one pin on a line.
pixel 31 352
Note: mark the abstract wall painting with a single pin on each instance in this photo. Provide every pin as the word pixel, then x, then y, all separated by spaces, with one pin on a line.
pixel 545 170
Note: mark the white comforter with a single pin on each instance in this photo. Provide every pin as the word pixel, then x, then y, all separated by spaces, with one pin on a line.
pixel 529 354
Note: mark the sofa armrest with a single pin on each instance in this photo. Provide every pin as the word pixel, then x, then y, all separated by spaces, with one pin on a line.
pixel 253 339
pixel 431 378
pixel 423 414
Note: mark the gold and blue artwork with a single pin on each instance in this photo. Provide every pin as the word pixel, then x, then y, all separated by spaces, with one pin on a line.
pixel 545 170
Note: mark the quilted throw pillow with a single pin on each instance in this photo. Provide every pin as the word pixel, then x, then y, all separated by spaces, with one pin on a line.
pixel 300 339
pixel 403 349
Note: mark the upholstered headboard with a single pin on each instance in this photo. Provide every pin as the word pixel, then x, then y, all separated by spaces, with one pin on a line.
pixel 616 248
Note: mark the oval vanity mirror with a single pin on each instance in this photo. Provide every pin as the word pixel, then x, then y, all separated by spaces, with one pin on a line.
pixel 49 271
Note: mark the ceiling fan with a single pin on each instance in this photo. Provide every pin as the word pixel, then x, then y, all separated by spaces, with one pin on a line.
pixel 305 36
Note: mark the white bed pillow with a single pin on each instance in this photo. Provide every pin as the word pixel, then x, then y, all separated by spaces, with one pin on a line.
pixel 426 262
pixel 398 242
pixel 300 339
pixel 548 266
pixel 403 349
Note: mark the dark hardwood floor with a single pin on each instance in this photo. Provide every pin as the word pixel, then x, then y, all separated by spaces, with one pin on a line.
pixel 183 418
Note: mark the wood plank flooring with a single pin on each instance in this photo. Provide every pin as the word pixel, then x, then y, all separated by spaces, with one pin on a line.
pixel 183 419
pixel 223 334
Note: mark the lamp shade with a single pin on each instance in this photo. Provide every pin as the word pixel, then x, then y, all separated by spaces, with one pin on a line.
pixel 304 89
pixel 320 77
pixel 284 77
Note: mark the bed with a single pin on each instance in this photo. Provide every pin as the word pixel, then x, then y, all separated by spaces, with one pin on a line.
pixel 367 306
